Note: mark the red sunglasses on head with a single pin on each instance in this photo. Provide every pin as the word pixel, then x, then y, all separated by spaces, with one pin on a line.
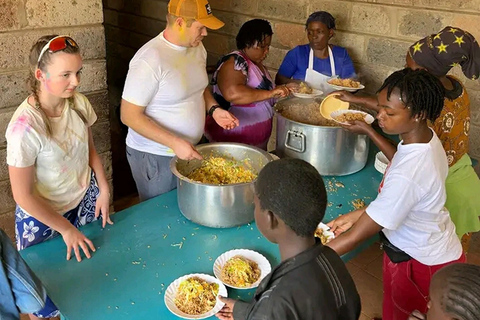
pixel 58 43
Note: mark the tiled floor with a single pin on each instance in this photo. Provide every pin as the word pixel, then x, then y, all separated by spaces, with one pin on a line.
pixel 366 269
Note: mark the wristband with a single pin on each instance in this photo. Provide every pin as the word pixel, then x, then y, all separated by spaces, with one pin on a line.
pixel 212 109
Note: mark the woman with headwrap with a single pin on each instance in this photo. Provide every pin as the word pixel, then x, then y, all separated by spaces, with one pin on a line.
pixel 317 61
pixel 438 53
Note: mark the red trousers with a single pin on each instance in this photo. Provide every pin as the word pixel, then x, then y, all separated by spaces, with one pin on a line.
pixel 406 285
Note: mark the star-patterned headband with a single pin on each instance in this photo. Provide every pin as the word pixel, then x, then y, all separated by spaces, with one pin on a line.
pixel 451 47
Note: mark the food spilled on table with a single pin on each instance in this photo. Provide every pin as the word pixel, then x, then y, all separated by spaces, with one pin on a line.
pixel 304 88
pixel 350 83
pixel 350 116
pixel 240 272
pixel 196 296
pixel 358 203
pixel 221 171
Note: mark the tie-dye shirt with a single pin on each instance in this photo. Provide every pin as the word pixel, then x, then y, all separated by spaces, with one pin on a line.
pixel 255 118
pixel 62 172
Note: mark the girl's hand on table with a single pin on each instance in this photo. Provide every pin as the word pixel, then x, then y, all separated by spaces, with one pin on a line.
pixel 102 205
pixel 345 222
pixel 226 313
pixel 74 239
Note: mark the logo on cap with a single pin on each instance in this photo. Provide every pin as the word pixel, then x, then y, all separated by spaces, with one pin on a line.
pixel 209 10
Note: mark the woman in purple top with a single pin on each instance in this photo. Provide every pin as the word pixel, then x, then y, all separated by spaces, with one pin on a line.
pixel 243 86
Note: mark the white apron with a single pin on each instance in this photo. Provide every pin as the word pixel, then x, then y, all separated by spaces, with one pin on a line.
pixel 316 79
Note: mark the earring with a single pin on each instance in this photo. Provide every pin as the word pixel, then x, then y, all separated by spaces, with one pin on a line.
pixel 417 120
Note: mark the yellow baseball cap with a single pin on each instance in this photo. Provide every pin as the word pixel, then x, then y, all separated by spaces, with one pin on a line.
pixel 199 10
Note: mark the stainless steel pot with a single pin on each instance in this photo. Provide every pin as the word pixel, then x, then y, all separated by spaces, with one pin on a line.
pixel 218 206
pixel 331 150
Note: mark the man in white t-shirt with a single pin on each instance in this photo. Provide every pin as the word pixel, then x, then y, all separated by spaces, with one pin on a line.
pixel 166 97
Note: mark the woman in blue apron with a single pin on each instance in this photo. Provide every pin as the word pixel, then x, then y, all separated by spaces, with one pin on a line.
pixel 318 61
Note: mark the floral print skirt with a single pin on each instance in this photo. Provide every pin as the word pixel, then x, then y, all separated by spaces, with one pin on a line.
pixel 29 231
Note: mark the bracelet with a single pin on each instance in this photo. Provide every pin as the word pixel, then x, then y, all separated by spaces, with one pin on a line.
pixel 212 109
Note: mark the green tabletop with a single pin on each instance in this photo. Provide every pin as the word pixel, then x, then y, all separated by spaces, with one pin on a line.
pixel 151 244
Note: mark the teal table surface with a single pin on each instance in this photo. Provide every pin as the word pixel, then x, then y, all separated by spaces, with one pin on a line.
pixel 151 244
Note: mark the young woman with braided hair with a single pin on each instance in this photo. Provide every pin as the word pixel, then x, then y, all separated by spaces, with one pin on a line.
pixel 57 177
pixel 438 53
pixel 417 233
pixel 454 294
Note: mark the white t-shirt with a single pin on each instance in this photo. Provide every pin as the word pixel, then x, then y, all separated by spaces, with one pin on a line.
pixel 410 205
pixel 62 172
pixel 169 80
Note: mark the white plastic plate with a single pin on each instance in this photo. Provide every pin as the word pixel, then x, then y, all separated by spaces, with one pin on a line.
pixel 314 94
pixel 261 261
pixel 323 228
pixel 349 89
pixel 368 117
pixel 172 289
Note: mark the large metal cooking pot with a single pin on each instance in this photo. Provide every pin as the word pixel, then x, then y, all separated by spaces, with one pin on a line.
pixel 218 206
pixel 331 150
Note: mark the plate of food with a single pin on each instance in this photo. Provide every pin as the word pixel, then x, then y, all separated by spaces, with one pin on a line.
pixel 194 296
pixel 345 84
pixel 306 92
pixel 241 268
pixel 324 234
pixel 345 116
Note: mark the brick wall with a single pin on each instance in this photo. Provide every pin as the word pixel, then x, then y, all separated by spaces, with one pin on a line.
pixel 376 33
pixel 128 26
pixel 22 23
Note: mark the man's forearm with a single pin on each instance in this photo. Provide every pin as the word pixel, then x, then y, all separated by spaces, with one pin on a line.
pixel 209 99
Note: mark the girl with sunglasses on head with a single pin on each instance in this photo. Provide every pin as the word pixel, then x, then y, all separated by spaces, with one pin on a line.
pixel 415 228
pixel 57 177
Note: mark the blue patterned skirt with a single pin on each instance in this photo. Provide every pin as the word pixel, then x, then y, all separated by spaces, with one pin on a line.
pixel 29 231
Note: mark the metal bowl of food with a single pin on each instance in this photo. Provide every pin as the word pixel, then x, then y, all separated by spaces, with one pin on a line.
pixel 218 205
pixel 303 133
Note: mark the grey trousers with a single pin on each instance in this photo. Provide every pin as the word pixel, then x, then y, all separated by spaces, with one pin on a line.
pixel 151 173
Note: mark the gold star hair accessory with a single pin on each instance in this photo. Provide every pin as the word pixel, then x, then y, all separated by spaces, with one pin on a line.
pixel 437 36
pixel 442 47
pixel 453 30
pixel 417 47
pixel 455 64
pixel 459 40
